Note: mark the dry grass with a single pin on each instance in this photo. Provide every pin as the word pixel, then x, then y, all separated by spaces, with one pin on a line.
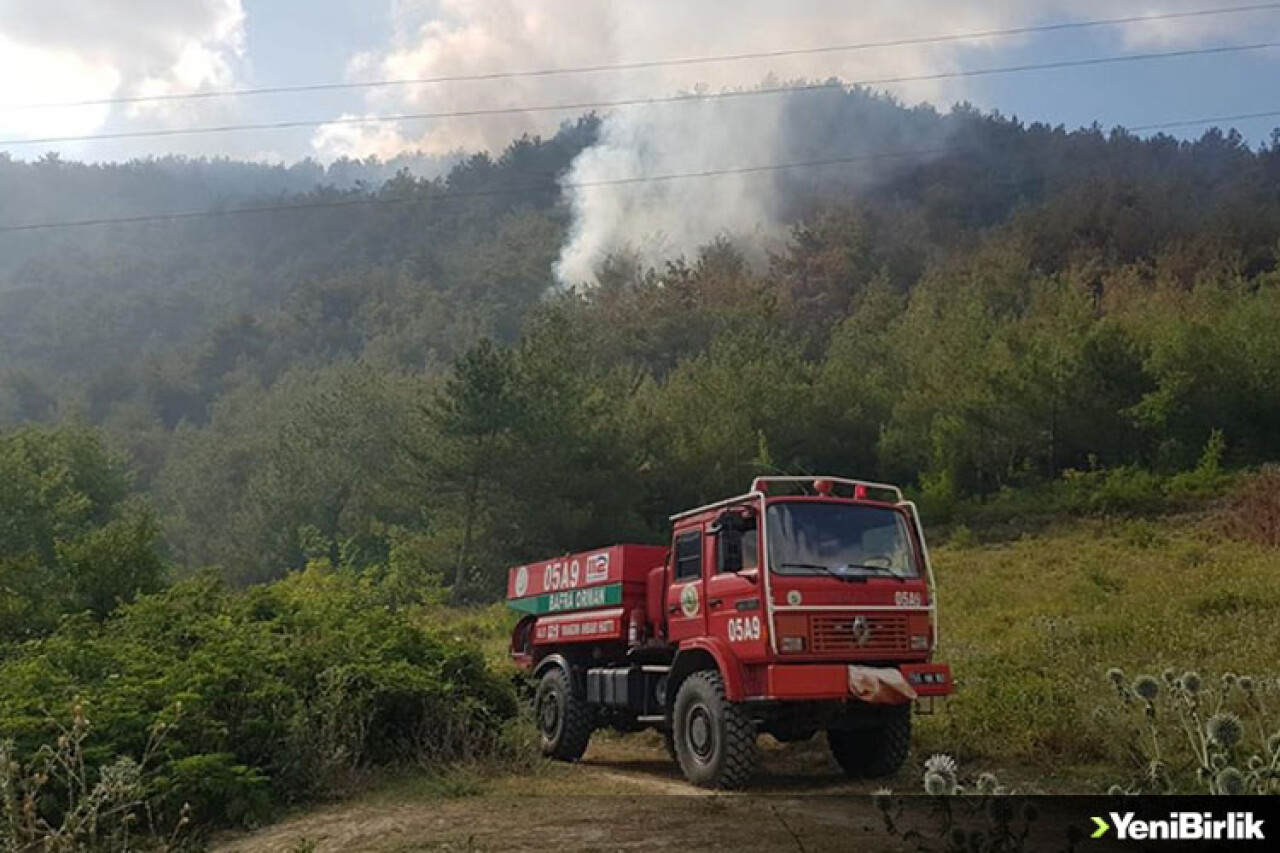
pixel 1031 628
pixel 1253 514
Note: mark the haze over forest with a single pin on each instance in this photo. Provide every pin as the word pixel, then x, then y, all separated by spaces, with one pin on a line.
pixel 1000 304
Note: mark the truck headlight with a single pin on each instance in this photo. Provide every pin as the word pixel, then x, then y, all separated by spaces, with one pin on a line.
pixel 791 644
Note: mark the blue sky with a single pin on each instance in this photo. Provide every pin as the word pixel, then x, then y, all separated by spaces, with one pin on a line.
pixel 58 50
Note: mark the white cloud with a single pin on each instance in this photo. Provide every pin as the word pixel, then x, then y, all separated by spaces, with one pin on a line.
pixel 452 37
pixel 67 50
pixel 377 139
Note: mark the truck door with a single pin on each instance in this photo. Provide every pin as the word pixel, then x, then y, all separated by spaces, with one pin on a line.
pixel 735 594
pixel 686 594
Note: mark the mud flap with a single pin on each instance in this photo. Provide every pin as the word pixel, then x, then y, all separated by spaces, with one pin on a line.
pixel 880 686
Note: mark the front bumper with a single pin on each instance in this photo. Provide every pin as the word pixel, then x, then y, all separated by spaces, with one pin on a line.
pixel 825 681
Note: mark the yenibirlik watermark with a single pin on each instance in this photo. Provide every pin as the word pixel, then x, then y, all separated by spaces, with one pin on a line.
pixel 1182 826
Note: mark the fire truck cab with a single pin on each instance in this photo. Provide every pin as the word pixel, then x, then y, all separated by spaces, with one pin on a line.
pixel 805 604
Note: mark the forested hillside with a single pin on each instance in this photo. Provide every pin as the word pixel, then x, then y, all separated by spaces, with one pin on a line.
pixel 386 376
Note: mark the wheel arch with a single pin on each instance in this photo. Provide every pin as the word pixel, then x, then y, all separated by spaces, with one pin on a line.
pixel 703 654
pixel 557 661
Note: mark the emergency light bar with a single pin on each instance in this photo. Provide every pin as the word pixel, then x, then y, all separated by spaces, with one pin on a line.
pixel 826 485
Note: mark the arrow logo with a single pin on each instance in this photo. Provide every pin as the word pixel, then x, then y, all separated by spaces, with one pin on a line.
pixel 1103 826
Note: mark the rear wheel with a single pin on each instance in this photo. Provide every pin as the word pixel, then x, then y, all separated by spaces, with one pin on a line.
pixel 563 719
pixel 715 741
pixel 876 750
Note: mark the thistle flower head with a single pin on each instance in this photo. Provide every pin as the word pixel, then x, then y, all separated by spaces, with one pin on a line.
pixel 936 785
pixel 1217 761
pixel 1147 687
pixel 1246 683
pixel 941 763
pixel 1116 675
pixel 1224 729
pixel 1229 680
pixel 1191 682
pixel 1169 676
pixel 987 783
pixel 1230 781
pixel 1115 791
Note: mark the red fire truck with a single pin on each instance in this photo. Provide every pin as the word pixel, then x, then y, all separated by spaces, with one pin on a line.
pixel 805 604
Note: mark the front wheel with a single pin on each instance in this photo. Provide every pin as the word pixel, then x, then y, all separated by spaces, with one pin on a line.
pixel 876 750
pixel 715 741
pixel 563 719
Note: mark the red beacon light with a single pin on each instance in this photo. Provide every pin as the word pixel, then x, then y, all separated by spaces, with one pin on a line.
pixel 860 492
pixel 824 487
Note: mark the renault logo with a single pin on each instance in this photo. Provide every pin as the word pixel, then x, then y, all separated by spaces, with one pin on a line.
pixel 861 630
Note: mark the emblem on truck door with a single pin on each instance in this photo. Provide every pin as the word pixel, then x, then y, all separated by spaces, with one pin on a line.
pixel 522 581
pixel 689 600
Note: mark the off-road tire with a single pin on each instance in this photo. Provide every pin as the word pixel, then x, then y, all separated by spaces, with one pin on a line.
pixel 564 720
pixel 875 751
pixel 669 743
pixel 714 738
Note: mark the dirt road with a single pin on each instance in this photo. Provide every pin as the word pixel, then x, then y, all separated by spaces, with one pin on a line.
pixel 623 795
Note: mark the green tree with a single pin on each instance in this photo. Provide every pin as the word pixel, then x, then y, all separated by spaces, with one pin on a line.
pixel 72 537
pixel 473 418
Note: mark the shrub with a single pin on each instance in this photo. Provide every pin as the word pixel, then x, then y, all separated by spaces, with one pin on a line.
pixel 1206 480
pixel 1113 491
pixel 962 537
pixel 286 692
pixel 938 497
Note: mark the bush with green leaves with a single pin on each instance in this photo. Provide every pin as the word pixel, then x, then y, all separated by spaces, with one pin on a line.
pixel 73 536
pixel 282 693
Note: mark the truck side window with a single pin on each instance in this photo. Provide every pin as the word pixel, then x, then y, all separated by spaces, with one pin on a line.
pixel 689 555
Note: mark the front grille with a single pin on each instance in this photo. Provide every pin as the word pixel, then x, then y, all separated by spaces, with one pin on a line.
pixel 879 633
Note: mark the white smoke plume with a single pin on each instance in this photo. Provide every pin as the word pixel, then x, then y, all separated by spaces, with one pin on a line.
pixel 67 50
pixel 661 219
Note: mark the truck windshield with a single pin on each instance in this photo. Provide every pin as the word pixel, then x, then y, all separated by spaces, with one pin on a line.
pixel 842 540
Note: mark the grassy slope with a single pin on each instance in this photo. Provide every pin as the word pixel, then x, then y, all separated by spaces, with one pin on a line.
pixel 1031 628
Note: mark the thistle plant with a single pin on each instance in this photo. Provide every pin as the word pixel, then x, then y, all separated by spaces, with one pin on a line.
pixel 1185 733
pixel 57 801
pixel 981 816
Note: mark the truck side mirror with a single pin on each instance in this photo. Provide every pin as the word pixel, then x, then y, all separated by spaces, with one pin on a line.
pixel 730 551
pixel 730 527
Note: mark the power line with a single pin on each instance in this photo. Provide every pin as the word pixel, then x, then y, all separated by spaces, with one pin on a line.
pixel 664 99
pixel 547 185
pixel 528 188
pixel 657 63
pixel 1195 122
